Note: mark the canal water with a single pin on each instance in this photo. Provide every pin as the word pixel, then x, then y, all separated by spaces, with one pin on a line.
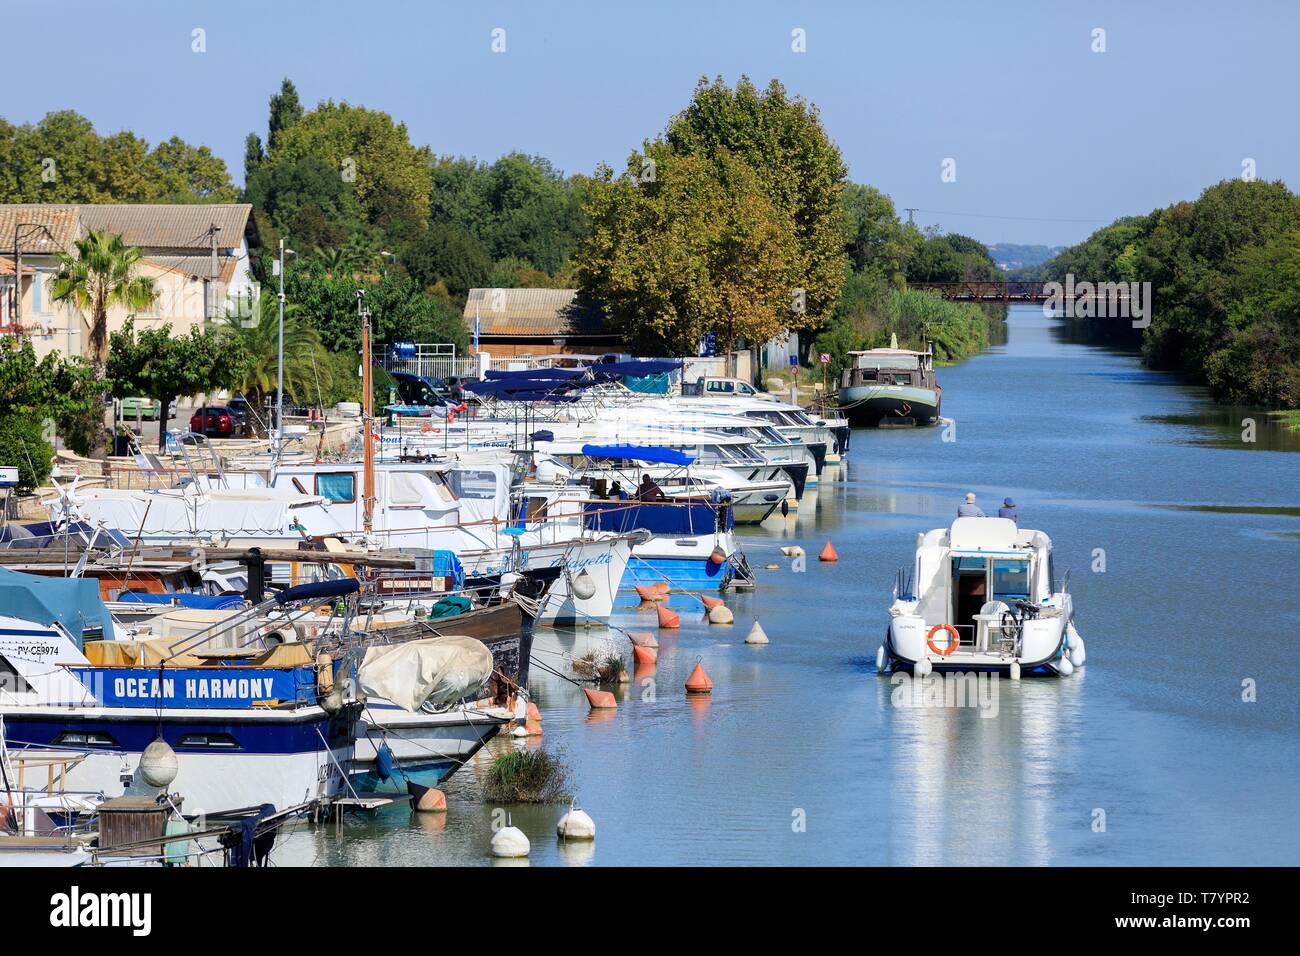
pixel 1176 744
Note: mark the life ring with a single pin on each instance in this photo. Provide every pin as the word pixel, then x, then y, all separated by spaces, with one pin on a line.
pixel 952 645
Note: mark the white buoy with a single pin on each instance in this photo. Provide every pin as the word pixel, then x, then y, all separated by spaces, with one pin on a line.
pixel 519 732
pixel 584 586
pixel 1015 670
pixel 923 667
pixel 756 635
pixel 721 615
pixel 1065 667
pixel 158 764
pixel 576 825
pixel 509 842
pixel 792 551
pixel 880 659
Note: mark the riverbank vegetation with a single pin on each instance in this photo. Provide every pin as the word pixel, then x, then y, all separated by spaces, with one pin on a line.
pixel 527 776
pixel 1225 279
pixel 733 223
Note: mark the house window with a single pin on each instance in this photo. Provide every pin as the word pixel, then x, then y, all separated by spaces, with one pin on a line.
pixel 38 298
pixel 338 487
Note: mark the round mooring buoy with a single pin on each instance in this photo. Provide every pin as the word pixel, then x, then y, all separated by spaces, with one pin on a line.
pixel 721 615
pixel 576 825
pixel 510 842
pixel 432 801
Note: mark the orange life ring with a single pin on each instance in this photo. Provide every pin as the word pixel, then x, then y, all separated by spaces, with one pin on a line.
pixel 952 645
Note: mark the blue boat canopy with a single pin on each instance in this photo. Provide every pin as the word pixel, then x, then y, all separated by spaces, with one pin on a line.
pixel 637 367
pixel 650 453
pixel 73 602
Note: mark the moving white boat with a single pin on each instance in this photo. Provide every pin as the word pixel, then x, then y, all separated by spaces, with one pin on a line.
pixel 981 596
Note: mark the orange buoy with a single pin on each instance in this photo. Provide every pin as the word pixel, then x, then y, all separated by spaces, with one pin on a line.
pixel 711 602
pixel 828 553
pixel 717 555
pixel 698 682
pixel 660 586
pixel 643 639
pixel 431 801
pixel 533 728
pixel 600 699
pixel 648 593
pixel 667 618
pixel 533 715
pixel 644 655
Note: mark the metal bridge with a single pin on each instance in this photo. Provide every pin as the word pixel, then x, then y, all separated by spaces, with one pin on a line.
pixel 1006 291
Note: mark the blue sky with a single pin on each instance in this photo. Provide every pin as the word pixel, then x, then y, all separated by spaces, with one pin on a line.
pixel 1046 134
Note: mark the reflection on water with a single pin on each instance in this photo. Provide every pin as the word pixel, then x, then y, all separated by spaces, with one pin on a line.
pixel 1182 553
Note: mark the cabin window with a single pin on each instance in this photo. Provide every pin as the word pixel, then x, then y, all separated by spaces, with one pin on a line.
pixel 10 680
pixel 84 738
pixel 338 487
pixel 1010 580
pixel 473 484
pixel 208 742
pixel 716 386
pixel 902 378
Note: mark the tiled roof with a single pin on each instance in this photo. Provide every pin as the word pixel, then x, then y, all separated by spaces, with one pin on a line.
pixel 160 227
pixel 171 227
pixel 63 223
pixel 553 312
pixel 7 267
pixel 200 266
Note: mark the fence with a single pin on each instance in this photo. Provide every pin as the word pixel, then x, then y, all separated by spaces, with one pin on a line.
pixel 430 361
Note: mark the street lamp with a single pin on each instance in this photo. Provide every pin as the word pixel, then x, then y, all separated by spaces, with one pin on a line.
pixel 279 362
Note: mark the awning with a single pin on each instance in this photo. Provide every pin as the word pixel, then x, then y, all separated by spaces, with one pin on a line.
pixel 650 453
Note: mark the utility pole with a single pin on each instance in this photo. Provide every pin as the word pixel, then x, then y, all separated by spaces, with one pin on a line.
pixel 18 268
pixel 909 212
pixel 213 229
pixel 367 418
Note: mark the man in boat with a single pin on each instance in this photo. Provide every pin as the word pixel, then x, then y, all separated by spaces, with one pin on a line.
pixel 616 491
pixel 968 508
pixel 649 490
pixel 1008 510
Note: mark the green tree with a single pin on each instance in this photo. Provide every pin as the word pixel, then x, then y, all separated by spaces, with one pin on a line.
pixel 782 139
pixel 258 341
pixel 450 255
pixel 23 445
pixel 286 110
pixel 62 390
pixel 164 367
pixel 699 247
pixel 366 148
pixel 875 240
pixel 306 200
pixel 103 273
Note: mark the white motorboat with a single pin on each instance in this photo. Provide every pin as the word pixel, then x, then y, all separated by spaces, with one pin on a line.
pixel 981 596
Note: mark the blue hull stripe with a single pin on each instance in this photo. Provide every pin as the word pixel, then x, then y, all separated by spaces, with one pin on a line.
pixel 132 734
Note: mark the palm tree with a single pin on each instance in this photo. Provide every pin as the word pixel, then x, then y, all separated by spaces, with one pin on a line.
pixel 305 357
pixel 102 273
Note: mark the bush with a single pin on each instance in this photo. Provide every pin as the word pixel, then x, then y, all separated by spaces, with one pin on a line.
pixel 527 776
pixel 23 444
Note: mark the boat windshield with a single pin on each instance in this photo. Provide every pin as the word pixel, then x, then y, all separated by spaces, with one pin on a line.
pixel 1010 580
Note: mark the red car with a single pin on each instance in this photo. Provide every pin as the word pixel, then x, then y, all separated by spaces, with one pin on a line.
pixel 214 421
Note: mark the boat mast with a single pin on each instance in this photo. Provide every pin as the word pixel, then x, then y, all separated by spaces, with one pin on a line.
pixel 367 419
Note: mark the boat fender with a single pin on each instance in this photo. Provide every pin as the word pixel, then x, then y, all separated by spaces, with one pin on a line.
pixel 324 674
pixel 922 668
pixel 717 555
pixel 158 764
pixel 584 586
pixel 1064 666
pixel 383 762
pixel 952 644
pixel 1015 670
pixel 880 659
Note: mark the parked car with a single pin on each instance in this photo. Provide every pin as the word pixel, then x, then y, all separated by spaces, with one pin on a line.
pixel 419 389
pixel 243 414
pixel 138 407
pixel 214 421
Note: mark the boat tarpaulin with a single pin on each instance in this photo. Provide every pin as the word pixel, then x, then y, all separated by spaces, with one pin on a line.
pixel 436 670
pixel 73 602
pixel 637 367
pixel 650 453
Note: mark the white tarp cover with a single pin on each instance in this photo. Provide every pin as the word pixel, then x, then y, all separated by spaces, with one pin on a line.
pixel 440 670
pixel 222 514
